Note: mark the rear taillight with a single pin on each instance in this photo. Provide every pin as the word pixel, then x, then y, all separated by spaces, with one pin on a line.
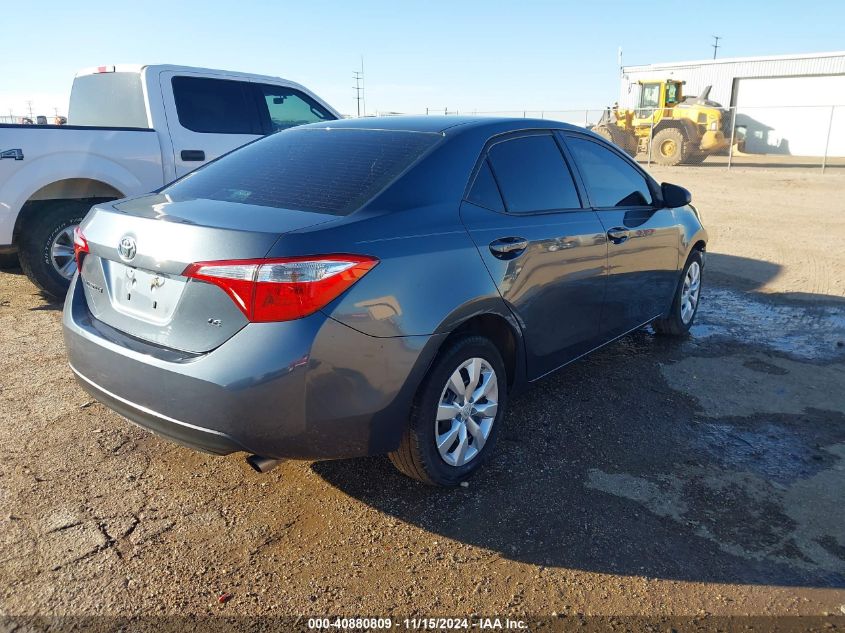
pixel 283 289
pixel 80 247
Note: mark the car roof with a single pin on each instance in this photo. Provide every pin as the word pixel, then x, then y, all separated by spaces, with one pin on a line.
pixel 442 124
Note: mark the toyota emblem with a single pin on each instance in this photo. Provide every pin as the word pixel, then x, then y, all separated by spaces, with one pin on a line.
pixel 127 248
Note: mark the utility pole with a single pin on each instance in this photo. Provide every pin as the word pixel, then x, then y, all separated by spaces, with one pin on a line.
pixel 715 45
pixel 360 97
pixel 357 87
pixel 363 92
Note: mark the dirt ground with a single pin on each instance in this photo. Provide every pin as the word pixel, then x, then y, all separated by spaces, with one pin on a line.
pixel 702 478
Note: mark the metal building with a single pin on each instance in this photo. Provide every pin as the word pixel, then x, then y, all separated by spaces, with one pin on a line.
pixel 785 104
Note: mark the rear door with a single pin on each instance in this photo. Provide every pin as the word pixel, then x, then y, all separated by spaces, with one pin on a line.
pixel 544 250
pixel 643 238
pixel 210 116
pixel 207 117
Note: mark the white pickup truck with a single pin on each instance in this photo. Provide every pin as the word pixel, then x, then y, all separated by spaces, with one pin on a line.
pixel 131 129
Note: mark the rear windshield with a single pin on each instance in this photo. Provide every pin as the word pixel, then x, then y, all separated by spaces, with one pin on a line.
pixel 108 100
pixel 318 169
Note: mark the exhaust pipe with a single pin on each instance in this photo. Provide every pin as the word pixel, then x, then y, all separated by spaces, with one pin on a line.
pixel 262 464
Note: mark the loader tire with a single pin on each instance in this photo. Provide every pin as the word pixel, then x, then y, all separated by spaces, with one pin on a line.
pixel 669 147
pixel 619 137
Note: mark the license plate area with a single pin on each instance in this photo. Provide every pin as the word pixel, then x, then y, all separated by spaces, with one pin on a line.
pixel 144 294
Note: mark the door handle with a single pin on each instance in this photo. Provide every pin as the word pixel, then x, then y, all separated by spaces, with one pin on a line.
pixel 508 247
pixel 618 234
pixel 193 155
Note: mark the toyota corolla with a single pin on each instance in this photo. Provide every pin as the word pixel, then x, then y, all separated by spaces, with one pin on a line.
pixel 378 286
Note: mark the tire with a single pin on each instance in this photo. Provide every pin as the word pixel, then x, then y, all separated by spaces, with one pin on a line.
pixel 418 456
pixel 619 137
pixel 675 323
pixel 48 224
pixel 669 147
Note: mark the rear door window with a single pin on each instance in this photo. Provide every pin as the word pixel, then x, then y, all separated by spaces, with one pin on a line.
pixel 611 181
pixel 288 107
pixel 532 175
pixel 215 106
pixel 485 191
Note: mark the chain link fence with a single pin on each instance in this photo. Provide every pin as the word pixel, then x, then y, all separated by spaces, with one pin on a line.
pixel 36 119
pixel 765 136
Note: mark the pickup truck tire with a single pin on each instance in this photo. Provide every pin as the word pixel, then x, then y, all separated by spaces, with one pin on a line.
pixel 46 228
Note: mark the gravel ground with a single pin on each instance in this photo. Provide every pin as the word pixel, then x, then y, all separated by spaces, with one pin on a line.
pixel 702 477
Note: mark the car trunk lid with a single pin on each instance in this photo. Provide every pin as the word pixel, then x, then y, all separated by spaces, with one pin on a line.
pixel 138 250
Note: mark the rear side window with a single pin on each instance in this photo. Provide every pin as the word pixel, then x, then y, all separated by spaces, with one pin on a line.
pixel 485 191
pixel 610 180
pixel 215 106
pixel 533 175
pixel 108 100
pixel 325 170
pixel 288 107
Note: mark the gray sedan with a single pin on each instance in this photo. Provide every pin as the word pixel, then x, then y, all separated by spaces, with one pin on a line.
pixel 377 286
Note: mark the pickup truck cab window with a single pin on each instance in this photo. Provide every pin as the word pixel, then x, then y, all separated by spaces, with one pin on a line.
pixel 215 106
pixel 108 100
pixel 287 107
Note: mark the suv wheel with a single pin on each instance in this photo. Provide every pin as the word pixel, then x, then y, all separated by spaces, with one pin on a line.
pixel 456 415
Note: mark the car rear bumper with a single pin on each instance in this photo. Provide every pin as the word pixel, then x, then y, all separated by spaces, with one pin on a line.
pixel 306 389
pixel 196 437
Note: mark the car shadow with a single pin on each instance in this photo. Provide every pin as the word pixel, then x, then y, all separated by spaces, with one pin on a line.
pixel 603 467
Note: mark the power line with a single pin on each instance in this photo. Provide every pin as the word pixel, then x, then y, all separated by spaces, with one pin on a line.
pixel 715 45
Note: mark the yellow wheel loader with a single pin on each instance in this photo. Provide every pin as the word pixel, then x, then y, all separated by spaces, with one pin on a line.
pixel 681 129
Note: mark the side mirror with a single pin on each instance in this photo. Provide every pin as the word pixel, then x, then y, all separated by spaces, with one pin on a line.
pixel 675 196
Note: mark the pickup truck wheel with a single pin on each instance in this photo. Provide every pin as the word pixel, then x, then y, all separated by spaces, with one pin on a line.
pixel 456 415
pixel 46 245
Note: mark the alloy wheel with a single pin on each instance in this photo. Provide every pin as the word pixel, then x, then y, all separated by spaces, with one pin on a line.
pixel 61 252
pixel 690 292
pixel 466 412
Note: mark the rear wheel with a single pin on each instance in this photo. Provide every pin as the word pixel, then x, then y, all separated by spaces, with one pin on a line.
pixel 46 244
pixel 686 300
pixel 668 147
pixel 456 415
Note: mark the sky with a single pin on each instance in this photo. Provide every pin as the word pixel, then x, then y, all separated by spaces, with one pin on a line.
pixel 461 55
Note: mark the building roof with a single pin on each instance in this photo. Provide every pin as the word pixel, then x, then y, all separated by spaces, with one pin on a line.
pixel 733 60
